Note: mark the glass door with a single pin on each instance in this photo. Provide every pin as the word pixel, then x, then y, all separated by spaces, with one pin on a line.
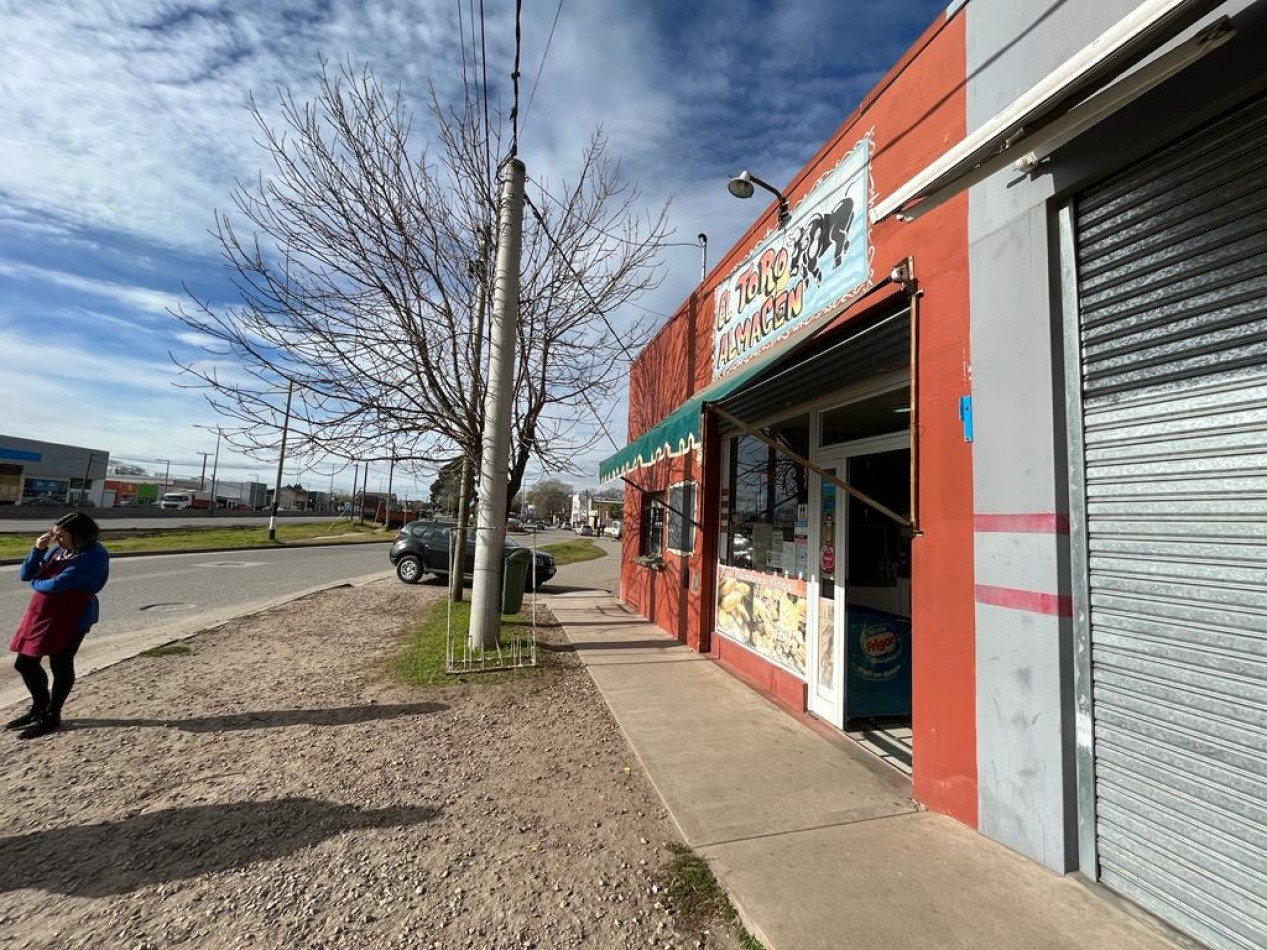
pixel 826 589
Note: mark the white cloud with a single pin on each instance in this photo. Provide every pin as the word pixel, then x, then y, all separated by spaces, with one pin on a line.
pixel 143 299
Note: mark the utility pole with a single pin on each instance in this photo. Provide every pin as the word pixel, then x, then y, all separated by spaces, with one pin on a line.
pixel 167 475
pixel 356 473
pixel 365 487
pixel 281 461
pixel 202 479
pixel 495 466
pixel 215 469
pixel 391 470
pixel 467 483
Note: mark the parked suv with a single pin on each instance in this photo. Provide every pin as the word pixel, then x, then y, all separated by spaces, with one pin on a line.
pixel 422 547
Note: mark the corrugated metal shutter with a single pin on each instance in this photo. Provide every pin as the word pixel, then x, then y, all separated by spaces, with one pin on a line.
pixel 1172 293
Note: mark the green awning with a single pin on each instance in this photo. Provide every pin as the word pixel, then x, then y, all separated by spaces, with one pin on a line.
pixel 679 431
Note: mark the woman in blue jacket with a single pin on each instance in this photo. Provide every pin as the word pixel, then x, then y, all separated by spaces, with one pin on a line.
pixel 66 569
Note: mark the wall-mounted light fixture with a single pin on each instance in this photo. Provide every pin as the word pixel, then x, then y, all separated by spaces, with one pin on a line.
pixel 741 187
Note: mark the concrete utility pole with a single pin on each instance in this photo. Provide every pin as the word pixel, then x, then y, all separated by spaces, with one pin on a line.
pixel 387 518
pixel 356 473
pixel 202 479
pixel 365 487
pixel 215 471
pixel 458 552
pixel 281 461
pixel 495 466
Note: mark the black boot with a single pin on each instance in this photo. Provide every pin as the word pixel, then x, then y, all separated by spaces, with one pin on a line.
pixel 48 721
pixel 28 718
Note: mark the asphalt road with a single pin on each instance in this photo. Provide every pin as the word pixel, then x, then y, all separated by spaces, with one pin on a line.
pixel 174 520
pixel 165 589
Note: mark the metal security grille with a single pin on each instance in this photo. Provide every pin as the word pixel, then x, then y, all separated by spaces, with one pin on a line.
pixel 1172 297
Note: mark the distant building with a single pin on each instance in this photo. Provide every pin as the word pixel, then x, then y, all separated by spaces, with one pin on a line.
pixel 38 472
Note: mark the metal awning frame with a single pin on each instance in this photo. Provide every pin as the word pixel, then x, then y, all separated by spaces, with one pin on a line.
pixel 806 463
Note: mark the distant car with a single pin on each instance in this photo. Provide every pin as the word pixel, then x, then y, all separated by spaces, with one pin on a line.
pixel 541 526
pixel 613 529
pixel 422 547
pixel 47 500
pixel 585 531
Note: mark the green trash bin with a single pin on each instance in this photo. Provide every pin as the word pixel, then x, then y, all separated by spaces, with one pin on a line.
pixel 514 577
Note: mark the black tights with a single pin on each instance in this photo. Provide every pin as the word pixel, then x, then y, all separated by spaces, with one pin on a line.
pixel 63 666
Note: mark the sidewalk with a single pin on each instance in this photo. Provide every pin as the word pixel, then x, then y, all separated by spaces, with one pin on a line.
pixel 818 843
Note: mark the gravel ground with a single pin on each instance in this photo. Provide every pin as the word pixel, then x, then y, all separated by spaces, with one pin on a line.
pixel 275 787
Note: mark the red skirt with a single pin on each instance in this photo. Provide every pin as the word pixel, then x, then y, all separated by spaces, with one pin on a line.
pixel 50 623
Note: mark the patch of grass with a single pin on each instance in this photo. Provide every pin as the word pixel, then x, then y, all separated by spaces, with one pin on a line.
pixel 569 552
pixel 422 656
pixel 167 649
pixel 163 540
pixel 698 898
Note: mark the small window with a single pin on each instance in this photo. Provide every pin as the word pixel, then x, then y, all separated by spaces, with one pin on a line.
pixel 681 518
pixel 651 540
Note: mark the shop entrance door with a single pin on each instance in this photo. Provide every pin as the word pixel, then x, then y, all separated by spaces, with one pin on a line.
pixel 860 633
pixel 824 671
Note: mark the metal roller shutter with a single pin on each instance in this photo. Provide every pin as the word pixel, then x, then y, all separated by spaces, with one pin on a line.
pixel 1172 297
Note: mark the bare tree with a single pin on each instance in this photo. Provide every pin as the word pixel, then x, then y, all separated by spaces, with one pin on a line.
pixel 356 264
pixel 551 498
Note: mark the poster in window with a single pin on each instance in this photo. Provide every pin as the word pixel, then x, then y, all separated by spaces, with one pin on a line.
pixel 681 517
pixel 764 613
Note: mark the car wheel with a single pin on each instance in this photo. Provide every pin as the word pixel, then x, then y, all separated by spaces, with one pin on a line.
pixel 408 569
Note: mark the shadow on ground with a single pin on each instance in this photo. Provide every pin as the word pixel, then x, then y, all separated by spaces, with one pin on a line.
pixel 271 718
pixel 587 645
pixel 117 857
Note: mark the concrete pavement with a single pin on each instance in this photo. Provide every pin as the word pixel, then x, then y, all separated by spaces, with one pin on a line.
pixel 817 842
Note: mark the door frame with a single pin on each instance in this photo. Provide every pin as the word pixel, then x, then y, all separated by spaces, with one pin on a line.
pixel 831 708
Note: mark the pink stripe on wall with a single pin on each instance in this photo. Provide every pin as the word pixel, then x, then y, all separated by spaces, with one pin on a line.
pixel 1041 522
pixel 1033 601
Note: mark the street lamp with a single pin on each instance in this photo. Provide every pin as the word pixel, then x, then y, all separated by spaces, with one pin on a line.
pixel 741 187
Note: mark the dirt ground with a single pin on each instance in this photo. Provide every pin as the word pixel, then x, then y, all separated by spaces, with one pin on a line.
pixel 274 787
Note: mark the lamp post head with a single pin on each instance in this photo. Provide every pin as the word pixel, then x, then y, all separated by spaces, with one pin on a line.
pixel 741 185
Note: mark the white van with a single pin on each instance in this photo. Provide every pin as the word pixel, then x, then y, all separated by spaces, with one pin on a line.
pixel 175 500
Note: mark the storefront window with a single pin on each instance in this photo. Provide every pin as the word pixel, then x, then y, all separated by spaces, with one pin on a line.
pixel 876 415
pixel 761 588
pixel 651 537
pixel 768 492
pixel 681 518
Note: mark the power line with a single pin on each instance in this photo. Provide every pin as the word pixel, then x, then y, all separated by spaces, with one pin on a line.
pixel 550 39
pixel 514 77
pixel 462 44
pixel 488 132
pixel 580 281
pixel 615 237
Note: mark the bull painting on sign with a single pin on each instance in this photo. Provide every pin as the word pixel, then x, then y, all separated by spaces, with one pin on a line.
pixel 798 274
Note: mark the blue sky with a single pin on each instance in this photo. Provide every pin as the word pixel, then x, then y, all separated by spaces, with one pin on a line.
pixel 124 128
